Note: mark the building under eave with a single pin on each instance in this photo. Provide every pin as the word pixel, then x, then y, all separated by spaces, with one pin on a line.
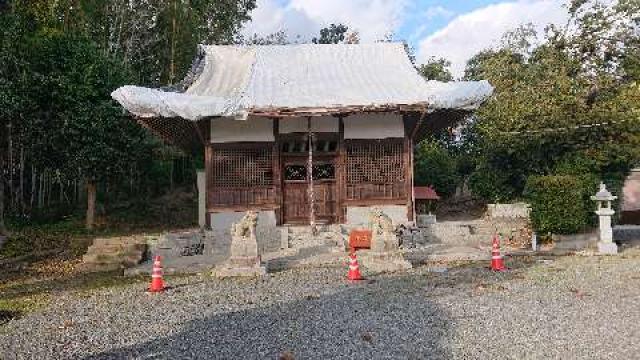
pixel 304 133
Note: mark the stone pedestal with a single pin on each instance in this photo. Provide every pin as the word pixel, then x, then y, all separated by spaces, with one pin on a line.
pixel 388 261
pixel 245 260
pixel 605 243
pixel 241 267
pixel 385 255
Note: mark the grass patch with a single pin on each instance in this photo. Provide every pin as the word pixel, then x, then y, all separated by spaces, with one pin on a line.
pixel 21 297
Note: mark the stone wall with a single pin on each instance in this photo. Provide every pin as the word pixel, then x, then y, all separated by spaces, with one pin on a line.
pixel 508 211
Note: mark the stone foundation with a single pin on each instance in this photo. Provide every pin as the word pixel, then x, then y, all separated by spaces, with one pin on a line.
pixel 245 258
pixel 382 262
pixel 240 267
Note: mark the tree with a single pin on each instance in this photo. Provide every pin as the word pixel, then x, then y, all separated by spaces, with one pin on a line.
pixel 333 34
pixel 572 96
pixel 88 135
pixel 436 69
pixel 60 62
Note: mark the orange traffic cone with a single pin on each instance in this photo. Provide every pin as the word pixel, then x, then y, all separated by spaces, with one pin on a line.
pixel 497 264
pixel 354 268
pixel 157 284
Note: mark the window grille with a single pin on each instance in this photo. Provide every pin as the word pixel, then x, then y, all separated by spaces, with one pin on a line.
pixel 374 162
pixel 242 166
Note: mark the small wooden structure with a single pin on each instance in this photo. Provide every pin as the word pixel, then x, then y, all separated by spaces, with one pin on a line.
pixel 305 134
pixel 425 197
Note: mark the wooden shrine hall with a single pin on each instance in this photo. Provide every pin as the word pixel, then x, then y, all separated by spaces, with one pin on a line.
pixel 304 133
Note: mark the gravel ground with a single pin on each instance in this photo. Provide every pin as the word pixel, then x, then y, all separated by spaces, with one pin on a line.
pixel 565 308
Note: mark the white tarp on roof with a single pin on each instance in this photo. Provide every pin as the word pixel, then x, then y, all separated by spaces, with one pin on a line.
pixel 237 79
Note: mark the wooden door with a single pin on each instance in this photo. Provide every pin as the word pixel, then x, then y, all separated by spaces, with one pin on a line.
pixel 295 191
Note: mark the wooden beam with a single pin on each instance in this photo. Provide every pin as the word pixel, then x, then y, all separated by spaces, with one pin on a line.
pixel 373 202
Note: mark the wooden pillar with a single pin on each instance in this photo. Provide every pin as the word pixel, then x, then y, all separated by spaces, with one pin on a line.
pixel 341 182
pixel 277 171
pixel 408 163
pixel 312 197
pixel 208 170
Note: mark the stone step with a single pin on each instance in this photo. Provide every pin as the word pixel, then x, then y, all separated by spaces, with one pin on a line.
pixel 119 241
pixel 116 248
pixel 96 267
pixel 129 259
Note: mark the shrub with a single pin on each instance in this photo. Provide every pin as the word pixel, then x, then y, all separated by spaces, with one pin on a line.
pixel 491 185
pixel 434 166
pixel 561 203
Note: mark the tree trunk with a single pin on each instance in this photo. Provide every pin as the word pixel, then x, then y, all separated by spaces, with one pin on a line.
pixel 91 204
pixel 34 179
pixel 10 166
pixel 22 164
pixel 3 229
pixel 172 66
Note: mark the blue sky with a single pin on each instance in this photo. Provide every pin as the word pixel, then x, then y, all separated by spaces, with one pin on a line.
pixel 455 29
pixel 426 16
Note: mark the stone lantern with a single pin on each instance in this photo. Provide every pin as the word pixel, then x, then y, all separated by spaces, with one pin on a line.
pixel 604 198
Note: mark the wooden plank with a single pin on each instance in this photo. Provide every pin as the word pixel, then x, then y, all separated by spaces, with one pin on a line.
pixel 373 202
pixel 219 209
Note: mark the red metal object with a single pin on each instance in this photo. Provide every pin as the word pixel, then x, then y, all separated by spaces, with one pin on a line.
pixel 497 263
pixel 157 284
pixel 354 268
pixel 360 239
pixel 425 193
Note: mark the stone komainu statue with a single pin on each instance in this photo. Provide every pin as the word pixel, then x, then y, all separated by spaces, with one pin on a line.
pixel 246 227
pixel 244 244
pixel 383 232
pixel 244 259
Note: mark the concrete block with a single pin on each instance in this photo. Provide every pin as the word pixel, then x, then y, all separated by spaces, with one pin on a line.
pixel 607 248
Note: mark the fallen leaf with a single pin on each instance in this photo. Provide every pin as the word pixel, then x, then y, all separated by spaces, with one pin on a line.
pixel 287 355
pixel 367 337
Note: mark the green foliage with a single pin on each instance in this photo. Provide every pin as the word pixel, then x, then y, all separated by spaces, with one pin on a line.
pixel 333 34
pixel 436 69
pixel 492 185
pixel 570 106
pixel 560 203
pixel 434 166
pixel 60 62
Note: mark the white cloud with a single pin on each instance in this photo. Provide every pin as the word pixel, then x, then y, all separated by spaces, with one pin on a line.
pixel 373 19
pixel 269 17
pixel 483 28
pixel 437 11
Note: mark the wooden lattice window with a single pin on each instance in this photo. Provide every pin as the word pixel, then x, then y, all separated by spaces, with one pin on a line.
pixel 235 166
pixel 375 162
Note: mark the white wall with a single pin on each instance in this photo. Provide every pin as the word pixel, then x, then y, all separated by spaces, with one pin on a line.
pixel 320 124
pixel 373 126
pixel 225 130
